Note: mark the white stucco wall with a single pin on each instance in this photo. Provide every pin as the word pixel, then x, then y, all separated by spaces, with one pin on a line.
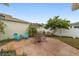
pixel 72 32
pixel 15 27
pixel 1 36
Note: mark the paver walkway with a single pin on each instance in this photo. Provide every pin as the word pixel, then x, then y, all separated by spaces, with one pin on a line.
pixel 51 47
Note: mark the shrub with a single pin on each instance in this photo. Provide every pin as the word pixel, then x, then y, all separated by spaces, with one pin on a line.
pixel 7 53
pixel 2 42
pixel 32 30
pixel 2 27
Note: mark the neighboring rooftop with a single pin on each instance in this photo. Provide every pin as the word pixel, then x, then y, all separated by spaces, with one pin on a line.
pixel 76 23
pixel 13 19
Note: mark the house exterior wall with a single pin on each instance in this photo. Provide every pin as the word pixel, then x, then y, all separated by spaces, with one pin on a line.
pixel 14 27
pixel 1 36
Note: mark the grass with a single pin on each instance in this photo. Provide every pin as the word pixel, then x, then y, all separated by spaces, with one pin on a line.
pixel 2 42
pixel 70 41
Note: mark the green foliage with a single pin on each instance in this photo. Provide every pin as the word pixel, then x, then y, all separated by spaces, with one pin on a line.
pixel 2 42
pixel 57 23
pixel 32 30
pixel 7 53
pixel 2 26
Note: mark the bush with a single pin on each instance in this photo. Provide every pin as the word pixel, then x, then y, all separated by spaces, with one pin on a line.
pixel 7 53
pixel 32 30
pixel 2 42
pixel 2 27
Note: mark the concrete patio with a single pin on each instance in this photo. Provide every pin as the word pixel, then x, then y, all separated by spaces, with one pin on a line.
pixel 51 47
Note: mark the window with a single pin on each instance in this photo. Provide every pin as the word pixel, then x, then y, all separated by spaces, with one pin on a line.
pixel 2 17
pixel 76 26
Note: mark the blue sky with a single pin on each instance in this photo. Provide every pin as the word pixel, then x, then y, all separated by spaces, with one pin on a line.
pixel 41 12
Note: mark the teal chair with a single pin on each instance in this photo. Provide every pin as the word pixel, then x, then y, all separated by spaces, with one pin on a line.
pixel 16 36
pixel 25 35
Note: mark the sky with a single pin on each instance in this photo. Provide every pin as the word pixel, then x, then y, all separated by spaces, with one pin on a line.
pixel 41 12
